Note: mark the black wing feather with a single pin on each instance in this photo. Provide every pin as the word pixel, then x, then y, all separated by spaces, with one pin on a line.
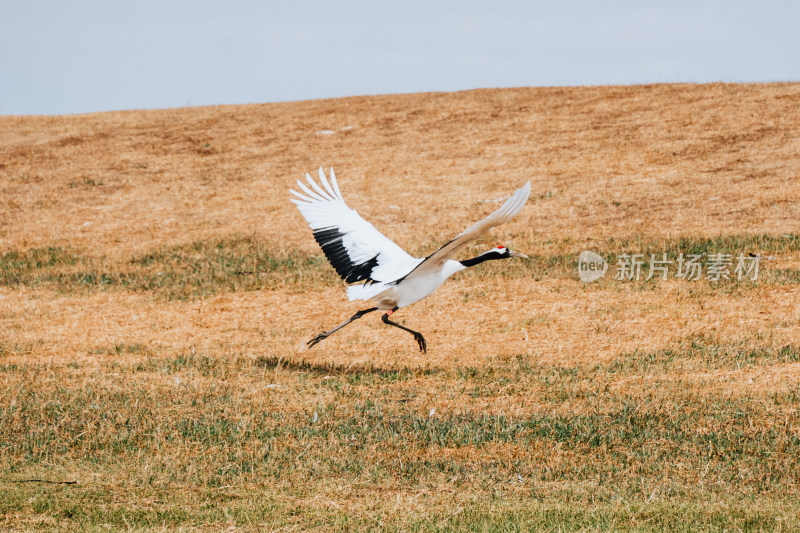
pixel 330 240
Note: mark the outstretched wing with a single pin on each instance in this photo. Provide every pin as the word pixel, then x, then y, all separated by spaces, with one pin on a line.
pixel 353 246
pixel 507 211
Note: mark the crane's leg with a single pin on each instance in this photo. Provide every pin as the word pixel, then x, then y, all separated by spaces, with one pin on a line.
pixel 325 334
pixel 417 335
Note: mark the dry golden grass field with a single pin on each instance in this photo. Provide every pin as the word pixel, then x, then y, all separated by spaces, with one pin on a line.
pixel 157 289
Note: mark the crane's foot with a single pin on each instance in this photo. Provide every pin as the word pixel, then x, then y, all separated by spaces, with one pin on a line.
pixel 421 341
pixel 317 339
pixel 417 335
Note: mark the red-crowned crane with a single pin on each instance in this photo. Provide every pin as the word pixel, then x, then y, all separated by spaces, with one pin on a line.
pixel 391 277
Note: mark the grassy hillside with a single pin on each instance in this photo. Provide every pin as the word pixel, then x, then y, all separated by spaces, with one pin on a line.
pixel 157 289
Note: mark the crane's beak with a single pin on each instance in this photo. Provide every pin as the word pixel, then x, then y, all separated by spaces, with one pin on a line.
pixel 517 254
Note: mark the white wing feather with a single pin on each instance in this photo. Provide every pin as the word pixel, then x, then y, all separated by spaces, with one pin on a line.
pixel 324 208
pixel 506 212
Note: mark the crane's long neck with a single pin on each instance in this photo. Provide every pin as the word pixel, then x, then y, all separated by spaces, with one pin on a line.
pixel 485 256
pixel 451 266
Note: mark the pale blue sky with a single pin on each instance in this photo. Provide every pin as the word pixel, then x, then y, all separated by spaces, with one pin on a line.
pixel 81 56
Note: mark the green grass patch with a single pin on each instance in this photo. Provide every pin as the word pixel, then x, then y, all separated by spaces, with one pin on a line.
pixel 561 260
pixel 242 263
pixel 188 271
pixel 195 439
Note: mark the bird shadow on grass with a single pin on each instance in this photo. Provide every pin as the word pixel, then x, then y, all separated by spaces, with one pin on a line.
pixel 333 368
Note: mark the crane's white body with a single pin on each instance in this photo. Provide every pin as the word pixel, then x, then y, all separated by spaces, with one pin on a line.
pixel 359 252
pixel 412 289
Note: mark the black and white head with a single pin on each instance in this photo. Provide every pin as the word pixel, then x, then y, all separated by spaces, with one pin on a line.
pixel 501 252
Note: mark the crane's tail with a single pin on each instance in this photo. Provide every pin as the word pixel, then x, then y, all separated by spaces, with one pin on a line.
pixel 365 292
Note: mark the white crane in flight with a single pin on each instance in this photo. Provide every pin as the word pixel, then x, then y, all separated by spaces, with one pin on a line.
pixel 391 277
